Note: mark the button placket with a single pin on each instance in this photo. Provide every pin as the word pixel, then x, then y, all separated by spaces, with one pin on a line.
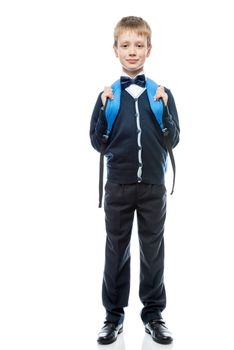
pixel 140 165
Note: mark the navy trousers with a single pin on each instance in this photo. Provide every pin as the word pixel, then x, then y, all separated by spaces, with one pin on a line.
pixel 120 204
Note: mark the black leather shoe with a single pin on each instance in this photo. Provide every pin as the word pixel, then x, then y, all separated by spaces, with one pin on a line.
pixel 159 332
pixel 109 333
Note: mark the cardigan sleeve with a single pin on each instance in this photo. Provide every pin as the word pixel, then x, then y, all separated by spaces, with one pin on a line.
pixel 98 124
pixel 171 120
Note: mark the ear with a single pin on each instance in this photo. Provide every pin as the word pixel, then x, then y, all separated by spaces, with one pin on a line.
pixel 115 50
pixel 148 50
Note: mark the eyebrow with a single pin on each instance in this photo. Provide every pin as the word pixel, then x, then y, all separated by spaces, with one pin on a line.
pixel 135 42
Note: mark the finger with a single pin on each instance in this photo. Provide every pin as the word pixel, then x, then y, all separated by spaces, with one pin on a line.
pixel 159 93
pixel 108 92
pixel 103 97
pixel 110 95
pixel 165 99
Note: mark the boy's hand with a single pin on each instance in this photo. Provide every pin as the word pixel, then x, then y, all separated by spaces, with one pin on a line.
pixel 107 93
pixel 160 93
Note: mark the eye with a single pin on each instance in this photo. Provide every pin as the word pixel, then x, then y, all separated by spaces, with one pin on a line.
pixel 124 45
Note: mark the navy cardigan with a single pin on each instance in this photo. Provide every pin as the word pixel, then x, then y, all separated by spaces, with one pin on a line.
pixel 136 140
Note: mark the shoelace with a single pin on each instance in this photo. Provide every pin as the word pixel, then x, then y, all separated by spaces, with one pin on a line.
pixel 155 323
pixel 109 324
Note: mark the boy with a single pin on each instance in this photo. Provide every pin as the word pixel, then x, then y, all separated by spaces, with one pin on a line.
pixel 136 162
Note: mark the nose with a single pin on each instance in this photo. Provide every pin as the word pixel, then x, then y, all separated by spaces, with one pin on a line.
pixel 132 51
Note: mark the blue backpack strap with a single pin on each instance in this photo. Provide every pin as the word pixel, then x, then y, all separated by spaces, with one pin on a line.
pixel 111 112
pixel 156 106
pixel 112 106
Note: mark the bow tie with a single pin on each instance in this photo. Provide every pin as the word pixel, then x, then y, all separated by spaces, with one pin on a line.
pixel 126 81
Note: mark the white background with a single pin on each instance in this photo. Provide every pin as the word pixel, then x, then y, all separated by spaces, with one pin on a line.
pixel 56 56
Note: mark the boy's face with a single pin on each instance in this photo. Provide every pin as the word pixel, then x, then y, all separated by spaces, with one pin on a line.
pixel 132 51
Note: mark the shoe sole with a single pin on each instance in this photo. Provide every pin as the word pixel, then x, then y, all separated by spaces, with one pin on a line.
pixel 106 342
pixel 164 342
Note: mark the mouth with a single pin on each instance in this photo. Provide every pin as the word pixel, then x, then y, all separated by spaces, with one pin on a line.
pixel 132 61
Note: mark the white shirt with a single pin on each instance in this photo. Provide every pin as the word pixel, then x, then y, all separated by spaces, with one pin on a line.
pixel 134 90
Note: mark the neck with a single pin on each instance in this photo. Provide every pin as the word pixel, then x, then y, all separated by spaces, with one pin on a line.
pixel 133 74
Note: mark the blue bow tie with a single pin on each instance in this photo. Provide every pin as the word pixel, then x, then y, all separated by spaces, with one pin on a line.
pixel 126 81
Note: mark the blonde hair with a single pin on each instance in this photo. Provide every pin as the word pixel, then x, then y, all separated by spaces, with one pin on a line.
pixel 137 24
